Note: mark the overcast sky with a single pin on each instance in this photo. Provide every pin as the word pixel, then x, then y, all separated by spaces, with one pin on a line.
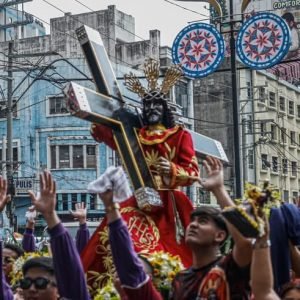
pixel 153 14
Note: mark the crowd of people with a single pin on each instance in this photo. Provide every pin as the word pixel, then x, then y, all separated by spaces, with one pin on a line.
pixel 244 273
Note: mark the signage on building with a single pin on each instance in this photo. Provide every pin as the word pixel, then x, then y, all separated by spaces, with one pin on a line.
pixel 23 184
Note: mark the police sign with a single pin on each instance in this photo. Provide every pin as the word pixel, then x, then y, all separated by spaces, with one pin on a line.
pixel 22 185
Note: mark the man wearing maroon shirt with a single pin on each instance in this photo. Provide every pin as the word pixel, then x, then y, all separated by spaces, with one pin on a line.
pixel 211 275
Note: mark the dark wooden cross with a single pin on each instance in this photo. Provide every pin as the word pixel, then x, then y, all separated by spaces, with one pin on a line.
pixel 106 106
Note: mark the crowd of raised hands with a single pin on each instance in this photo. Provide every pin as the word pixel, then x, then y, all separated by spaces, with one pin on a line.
pixel 62 276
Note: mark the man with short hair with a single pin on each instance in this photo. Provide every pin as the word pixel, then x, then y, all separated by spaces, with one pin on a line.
pixel 39 280
pixel 213 276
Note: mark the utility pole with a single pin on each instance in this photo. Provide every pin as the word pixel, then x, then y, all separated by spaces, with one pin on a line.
pixel 9 136
pixel 235 108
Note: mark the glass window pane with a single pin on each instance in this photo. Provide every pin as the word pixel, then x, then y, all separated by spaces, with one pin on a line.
pixel 65 204
pixel 53 157
pixel 78 156
pixel 64 157
pixel 91 156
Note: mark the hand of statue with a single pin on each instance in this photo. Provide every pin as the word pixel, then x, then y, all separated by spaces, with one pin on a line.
pixel 163 166
pixel 215 177
pixel 46 200
pixel 79 213
pixel 4 198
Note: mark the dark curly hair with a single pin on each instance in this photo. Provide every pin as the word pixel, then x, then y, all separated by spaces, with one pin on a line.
pixel 168 119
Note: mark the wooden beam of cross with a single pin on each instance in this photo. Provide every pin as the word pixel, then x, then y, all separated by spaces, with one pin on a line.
pixel 107 107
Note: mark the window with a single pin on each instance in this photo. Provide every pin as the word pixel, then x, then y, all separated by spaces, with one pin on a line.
pixel 64 157
pixel 263 128
pixel 90 156
pixel 298 111
pixel 249 124
pixel 3 111
pixel 250 159
pixel 283 135
pixel 286 196
pixel 262 94
pixel 274 164
pixel 73 200
pixel 273 132
pixel 65 200
pixel 295 197
pixel 57 105
pixel 72 156
pixel 15 159
pixel 284 166
pixel 264 162
pixel 53 157
pixel 78 157
pixel 294 169
pixel 249 90
pixel 293 138
pixel 281 103
pixel 93 199
pixel 272 99
pixel 291 108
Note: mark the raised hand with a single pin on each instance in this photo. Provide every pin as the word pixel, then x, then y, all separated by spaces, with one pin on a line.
pixel 4 198
pixel 79 213
pixel 30 216
pixel 215 177
pixel 46 200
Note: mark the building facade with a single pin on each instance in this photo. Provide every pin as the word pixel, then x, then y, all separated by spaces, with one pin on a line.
pixel 45 135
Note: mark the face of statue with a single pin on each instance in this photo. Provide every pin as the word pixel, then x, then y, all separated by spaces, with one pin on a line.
pixel 153 109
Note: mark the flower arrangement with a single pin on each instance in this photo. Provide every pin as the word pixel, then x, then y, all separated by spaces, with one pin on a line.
pixel 165 267
pixel 16 273
pixel 108 292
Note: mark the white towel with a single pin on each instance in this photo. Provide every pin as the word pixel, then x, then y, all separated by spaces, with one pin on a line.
pixel 114 178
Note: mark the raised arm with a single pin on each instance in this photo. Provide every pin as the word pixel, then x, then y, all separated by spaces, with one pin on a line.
pixel 5 290
pixel 242 250
pixel 28 241
pixel 261 269
pixel 68 269
pixel 295 259
pixel 83 233
pixel 134 280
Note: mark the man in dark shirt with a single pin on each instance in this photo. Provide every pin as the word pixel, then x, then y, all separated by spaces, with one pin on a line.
pixel 212 276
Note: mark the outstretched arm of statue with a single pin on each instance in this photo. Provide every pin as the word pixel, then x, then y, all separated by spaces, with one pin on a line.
pixel 103 134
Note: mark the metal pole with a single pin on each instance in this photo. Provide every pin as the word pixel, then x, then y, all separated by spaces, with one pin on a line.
pixel 9 136
pixel 235 109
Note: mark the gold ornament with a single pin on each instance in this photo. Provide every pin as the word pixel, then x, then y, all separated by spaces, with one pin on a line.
pixel 151 71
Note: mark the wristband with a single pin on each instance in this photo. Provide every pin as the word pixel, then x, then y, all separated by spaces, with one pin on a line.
pixel 112 207
pixel 260 245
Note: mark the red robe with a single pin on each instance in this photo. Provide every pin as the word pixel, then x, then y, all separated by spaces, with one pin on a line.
pixel 152 230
